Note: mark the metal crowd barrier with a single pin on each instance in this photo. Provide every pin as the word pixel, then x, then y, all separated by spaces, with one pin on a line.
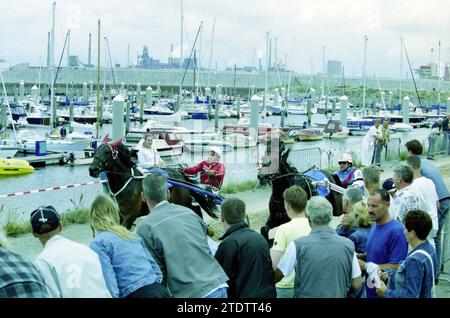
pixel 303 159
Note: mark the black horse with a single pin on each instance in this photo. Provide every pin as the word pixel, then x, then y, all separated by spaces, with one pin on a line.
pixel 125 183
pixel 283 178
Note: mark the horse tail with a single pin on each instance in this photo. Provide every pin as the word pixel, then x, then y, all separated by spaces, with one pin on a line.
pixel 207 204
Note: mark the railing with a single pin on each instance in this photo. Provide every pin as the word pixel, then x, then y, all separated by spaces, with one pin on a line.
pixel 303 159
pixel 438 144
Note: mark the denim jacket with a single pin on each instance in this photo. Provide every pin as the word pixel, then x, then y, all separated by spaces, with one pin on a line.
pixel 126 264
pixel 414 278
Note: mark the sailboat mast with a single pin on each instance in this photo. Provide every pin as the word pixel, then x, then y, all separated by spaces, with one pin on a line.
pixel 52 63
pixel 364 72
pixel 401 70
pixel 267 73
pixel 97 124
pixel 439 75
pixel 181 49
pixel 211 51
pixel 323 72
pixel 67 71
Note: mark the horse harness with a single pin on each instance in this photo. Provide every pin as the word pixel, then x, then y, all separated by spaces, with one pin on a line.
pixel 297 177
pixel 115 153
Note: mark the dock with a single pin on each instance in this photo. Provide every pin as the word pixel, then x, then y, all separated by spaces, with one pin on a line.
pixel 42 161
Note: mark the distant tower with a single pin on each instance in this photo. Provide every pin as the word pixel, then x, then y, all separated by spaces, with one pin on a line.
pixel 90 48
pixel 171 55
pixel 447 73
pixel 48 50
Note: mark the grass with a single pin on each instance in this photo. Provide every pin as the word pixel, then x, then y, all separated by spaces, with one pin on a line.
pixel 80 215
pixel 14 228
pixel 233 187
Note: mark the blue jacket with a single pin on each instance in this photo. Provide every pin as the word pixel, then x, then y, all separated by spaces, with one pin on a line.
pixel 126 264
pixel 414 277
pixel 359 238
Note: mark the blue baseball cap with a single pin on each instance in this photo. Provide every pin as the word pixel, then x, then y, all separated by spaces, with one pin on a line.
pixel 389 185
pixel 161 172
pixel 44 219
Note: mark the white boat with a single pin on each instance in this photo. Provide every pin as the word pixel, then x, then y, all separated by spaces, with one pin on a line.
pixel 7 151
pixel 28 140
pixel 79 158
pixel 309 134
pixel 166 143
pixel 401 127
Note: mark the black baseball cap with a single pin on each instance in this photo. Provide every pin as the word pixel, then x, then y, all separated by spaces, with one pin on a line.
pixel 44 219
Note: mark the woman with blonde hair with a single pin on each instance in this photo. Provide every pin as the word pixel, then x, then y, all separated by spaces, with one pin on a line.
pixel 129 269
pixel 362 222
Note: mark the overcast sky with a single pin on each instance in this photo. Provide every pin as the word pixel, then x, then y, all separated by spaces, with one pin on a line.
pixel 302 27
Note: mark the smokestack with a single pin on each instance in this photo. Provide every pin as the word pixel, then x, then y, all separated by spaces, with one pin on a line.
pixel 89 52
pixel 260 64
pixel 48 50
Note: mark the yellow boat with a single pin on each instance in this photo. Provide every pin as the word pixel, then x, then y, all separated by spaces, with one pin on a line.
pixel 14 166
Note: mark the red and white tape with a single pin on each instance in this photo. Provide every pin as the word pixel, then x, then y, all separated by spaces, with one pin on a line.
pixel 75 185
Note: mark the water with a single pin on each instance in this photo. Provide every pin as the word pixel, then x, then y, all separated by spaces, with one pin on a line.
pixel 240 164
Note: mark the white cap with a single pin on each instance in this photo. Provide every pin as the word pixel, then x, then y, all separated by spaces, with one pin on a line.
pixel 346 158
pixel 216 149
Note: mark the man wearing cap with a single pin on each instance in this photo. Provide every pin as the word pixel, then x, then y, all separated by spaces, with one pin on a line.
pixel 70 269
pixel 389 187
pixel 212 171
pixel 347 175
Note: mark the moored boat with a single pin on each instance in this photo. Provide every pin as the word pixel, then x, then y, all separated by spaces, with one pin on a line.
pixel 309 134
pixel 14 166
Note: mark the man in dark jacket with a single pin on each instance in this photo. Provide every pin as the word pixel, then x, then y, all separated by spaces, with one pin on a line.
pixel 244 255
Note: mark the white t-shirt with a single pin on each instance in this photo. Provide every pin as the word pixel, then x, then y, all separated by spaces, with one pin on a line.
pixel 289 259
pixel 373 131
pixel 426 190
pixel 71 270
pixel 149 158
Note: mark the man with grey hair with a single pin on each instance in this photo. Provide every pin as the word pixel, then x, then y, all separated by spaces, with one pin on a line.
pixel 325 263
pixel 177 239
pixel 371 178
pixel 404 199
pixel 350 197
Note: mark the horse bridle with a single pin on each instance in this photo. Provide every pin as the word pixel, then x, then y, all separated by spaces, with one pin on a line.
pixel 115 155
pixel 296 174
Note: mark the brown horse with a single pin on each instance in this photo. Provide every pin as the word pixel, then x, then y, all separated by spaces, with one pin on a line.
pixel 125 184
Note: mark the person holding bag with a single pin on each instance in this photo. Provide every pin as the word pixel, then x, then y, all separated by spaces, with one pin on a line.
pixel 416 275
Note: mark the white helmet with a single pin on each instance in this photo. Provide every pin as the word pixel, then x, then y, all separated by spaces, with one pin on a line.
pixel 217 150
pixel 346 158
